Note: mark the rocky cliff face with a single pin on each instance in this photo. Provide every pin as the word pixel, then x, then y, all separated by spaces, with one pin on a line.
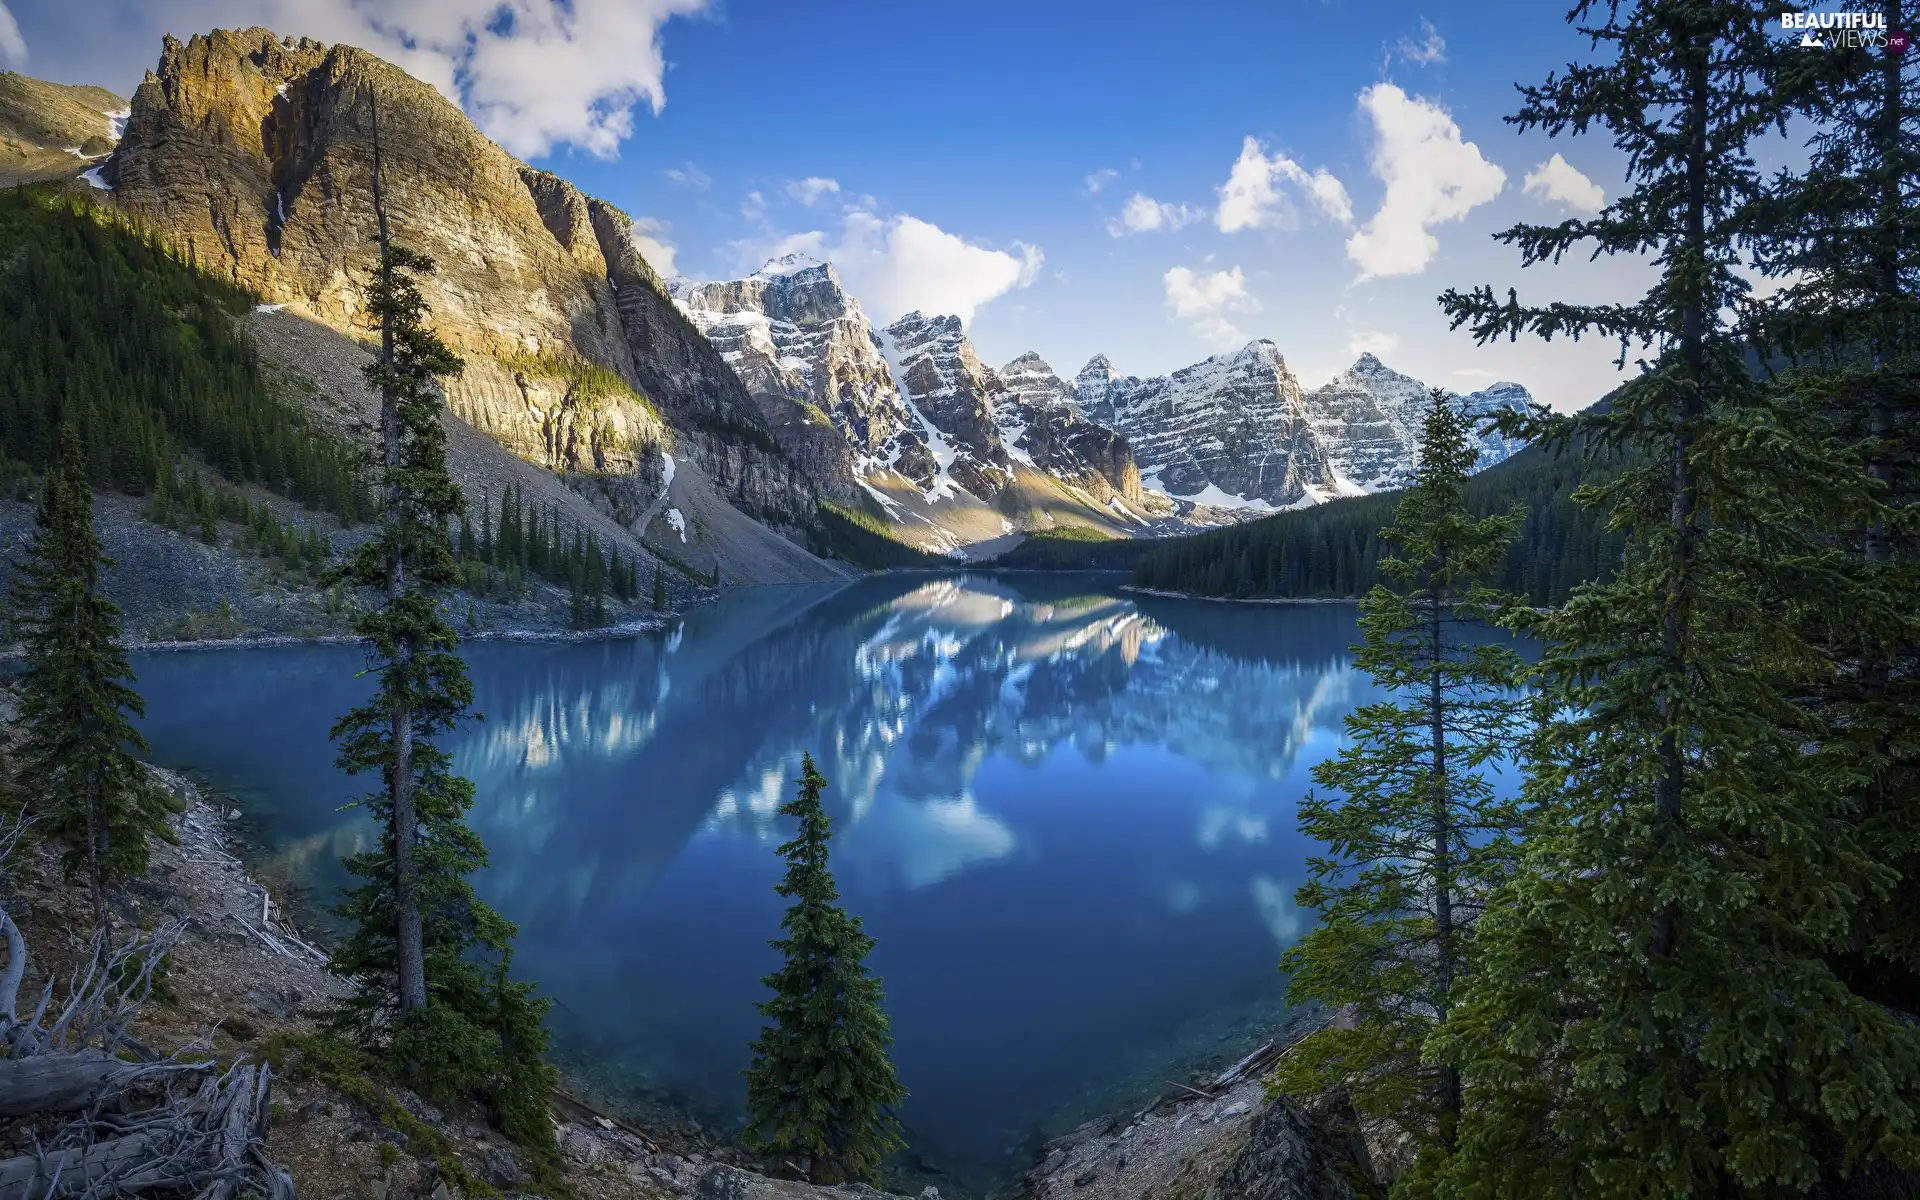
pixel 943 381
pixel 1238 430
pixel 1229 430
pixel 1370 418
pixel 255 154
pixel 913 400
pixel 1041 419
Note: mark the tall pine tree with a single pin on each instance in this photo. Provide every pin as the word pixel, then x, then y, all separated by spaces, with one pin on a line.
pixel 1844 239
pixel 1416 836
pixel 76 767
pixel 417 953
pixel 821 1089
pixel 1653 1011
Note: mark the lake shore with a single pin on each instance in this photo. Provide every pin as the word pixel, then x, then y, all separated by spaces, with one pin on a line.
pixel 1165 595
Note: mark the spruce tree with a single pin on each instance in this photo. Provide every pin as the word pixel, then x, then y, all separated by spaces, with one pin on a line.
pixel 1414 833
pixel 821 1089
pixel 75 767
pixel 1844 239
pixel 1652 1010
pixel 421 939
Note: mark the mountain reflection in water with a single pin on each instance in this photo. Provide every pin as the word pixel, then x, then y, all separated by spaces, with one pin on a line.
pixel 1066 812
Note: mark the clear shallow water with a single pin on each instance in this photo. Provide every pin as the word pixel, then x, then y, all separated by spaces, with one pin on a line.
pixel 1066 813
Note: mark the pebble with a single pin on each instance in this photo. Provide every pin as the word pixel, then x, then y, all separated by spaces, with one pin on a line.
pixel 234 815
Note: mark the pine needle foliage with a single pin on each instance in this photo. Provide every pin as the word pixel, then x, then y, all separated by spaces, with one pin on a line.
pixel 427 957
pixel 1415 834
pixel 75 768
pixel 1844 240
pixel 821 1089
pixel 1652 1011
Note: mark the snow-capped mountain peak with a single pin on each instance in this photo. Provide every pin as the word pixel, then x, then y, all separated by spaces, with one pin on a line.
pixel 789 264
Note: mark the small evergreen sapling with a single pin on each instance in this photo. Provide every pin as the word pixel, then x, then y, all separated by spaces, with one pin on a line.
pixel 821 1088
pixel 76 766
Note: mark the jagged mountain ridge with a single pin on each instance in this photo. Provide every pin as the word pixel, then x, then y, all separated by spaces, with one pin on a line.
pixel 253 154
pixel 1237 431
pixel 945 445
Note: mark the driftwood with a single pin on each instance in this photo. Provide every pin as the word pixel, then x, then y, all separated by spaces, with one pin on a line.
pixel 1246 1066
pixel 142 1127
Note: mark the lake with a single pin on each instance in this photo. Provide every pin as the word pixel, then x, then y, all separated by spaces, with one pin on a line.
pixel 1065 811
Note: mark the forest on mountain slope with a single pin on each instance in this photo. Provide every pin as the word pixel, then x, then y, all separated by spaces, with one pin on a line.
pixel 104 328
pixel 1334 549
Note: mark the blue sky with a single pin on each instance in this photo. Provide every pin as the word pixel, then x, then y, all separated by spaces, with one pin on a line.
pixel 986 157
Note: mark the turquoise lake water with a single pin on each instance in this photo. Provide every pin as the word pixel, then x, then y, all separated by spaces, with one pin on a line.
pixel 1065 811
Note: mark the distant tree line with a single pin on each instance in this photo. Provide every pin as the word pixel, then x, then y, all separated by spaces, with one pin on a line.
pixel 1335 549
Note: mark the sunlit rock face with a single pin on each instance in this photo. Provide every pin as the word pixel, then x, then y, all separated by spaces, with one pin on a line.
pixel 253 154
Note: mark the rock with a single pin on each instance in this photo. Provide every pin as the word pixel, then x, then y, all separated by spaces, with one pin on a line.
pixel 1084 1178
pixel 233 815
pixel 275 1003
pixel 500 1169
pixel 440 1191
pixel 581 1147
pixel 1082 1134
pixel 1291 1155
pixel 1235 1109
pixel 929 1193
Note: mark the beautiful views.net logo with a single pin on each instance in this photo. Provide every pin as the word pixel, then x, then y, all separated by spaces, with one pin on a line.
pixel 1845 31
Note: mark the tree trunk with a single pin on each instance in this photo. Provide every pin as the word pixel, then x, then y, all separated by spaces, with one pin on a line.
pixel 1683 514
pixel 67 1080
pixel 1445 957
pixel 409 946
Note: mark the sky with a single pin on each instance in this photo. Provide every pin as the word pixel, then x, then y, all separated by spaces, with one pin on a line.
pixel 1157 182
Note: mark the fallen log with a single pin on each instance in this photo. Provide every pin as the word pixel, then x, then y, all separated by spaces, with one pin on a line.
pixel 72 1080
pixel 1246 1066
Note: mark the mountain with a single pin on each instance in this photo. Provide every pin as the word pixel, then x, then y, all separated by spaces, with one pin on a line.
pixel 953 450
pixel 253 155
pixel 950 450
pixel 710 420
pixel 53 130
pixel 1239 430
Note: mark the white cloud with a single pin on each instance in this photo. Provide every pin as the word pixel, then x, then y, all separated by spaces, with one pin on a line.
pixel 1251 197
pixel 1202 299
pixel 1431 177
pixel 650 236
pixel 1100 179
pixel 897 263
pixel 812 188
pixel 533 74
pixel 1559 180
pixel 1372 341
pixel 1144 214
pixel 1431 48
pixel 689 176
pixel 13 47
